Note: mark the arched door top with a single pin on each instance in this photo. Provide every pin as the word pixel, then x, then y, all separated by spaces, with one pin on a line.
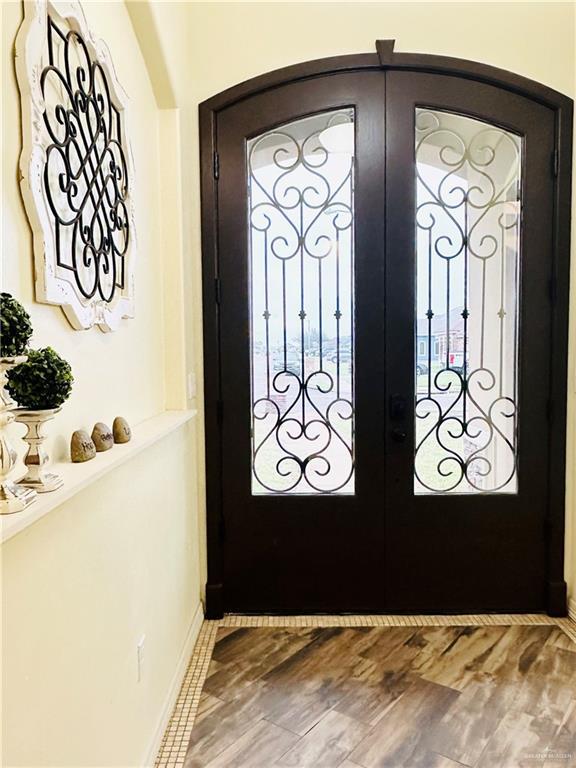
pixel 386 58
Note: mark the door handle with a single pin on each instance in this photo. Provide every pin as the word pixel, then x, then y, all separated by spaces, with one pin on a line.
pixel 397 407
pixel 398 435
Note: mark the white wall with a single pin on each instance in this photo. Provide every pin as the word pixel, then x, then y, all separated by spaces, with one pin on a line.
pixel 121 559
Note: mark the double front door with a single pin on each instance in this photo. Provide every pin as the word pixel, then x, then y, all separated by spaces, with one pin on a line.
pixel 384 251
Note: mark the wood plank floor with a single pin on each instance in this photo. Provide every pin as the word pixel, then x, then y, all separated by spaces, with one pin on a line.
pixel 388 697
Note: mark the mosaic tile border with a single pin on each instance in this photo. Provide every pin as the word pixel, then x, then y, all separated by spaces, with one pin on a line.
pixel 177 735
pixel 172 752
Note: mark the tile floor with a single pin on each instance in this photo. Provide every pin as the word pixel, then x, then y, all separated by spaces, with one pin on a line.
pixel 172 751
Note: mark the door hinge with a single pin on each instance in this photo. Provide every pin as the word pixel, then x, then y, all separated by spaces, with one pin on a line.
pixel 555 160
pixel 217 290
pixel 216 165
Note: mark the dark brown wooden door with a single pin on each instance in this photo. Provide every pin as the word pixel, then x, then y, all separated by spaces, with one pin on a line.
pixel 481 546
pixel 302 548
pixel 384 249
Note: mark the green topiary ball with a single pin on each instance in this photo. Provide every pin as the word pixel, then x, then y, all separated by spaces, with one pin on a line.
pixel 43 381
pixel 15 327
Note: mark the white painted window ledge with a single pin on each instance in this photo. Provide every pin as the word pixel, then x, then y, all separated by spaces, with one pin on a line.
pixel 78 476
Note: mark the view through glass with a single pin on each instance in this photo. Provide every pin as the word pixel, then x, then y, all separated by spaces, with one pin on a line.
pixel 466 362
pixel 301 235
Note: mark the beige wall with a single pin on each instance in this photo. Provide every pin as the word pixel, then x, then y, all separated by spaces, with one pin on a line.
pixel 225 43
pixel 121 559
pixel 79 589
pixel 230 42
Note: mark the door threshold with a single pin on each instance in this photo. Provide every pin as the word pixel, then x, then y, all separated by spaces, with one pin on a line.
pixel 416 614
pixel 386 620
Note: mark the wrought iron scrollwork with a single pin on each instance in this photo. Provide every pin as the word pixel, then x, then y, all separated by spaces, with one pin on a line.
pixel 301 244
pixel 85 173
pixel 468 222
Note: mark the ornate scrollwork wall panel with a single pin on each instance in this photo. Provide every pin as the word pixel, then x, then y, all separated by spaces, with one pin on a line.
pixel 76 167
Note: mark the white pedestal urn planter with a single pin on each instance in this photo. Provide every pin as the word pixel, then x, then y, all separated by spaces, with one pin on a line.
pixel 40 386
pixel 13 497
pixel 37 459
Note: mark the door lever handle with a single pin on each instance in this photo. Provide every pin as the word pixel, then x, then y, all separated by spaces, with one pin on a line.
pixel 398 435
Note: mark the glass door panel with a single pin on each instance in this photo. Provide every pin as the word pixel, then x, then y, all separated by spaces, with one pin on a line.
pixel 301 235
pixel 468 211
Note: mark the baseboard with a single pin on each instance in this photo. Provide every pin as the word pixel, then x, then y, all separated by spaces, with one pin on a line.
pixel 174 689
pixel 572 609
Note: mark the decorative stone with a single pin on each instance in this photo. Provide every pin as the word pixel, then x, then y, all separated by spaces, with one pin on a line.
pixel 102 437
pixel 81 446
pixel 121 429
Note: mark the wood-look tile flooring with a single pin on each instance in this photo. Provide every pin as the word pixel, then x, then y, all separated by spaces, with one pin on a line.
pixel 414 697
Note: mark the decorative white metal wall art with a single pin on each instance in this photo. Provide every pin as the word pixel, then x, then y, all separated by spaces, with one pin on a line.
pixel 76 167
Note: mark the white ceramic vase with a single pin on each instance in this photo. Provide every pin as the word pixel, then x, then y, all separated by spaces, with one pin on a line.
pixel 37 459
pixel 13 497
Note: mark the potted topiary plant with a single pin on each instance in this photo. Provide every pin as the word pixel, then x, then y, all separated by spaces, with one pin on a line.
pixel 40 386
pixel 15 327
pixel 15 332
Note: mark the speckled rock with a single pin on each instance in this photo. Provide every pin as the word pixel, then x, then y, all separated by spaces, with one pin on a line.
pixel 81 446
pixel 121 429
pixel 102 437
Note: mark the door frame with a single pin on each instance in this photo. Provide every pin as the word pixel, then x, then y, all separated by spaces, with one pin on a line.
pixel 385 58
